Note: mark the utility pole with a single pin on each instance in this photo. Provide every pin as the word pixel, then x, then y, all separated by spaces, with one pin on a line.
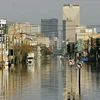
pixel 2 53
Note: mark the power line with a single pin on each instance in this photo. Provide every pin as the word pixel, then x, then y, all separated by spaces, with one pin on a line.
pixel 91 25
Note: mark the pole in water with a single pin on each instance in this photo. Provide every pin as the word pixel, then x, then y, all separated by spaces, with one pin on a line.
pixel 79 82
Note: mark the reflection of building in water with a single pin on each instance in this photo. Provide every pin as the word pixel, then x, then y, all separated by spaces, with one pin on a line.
pixel 21 85
pixel 3 84
pixel 0 82
pixel 71 83
pixel 88 80
pixel 60 83
pixel 49 81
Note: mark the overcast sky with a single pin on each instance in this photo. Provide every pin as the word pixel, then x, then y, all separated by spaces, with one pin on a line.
pixel 34 10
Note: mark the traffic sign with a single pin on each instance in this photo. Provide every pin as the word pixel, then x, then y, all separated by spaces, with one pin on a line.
pixel 71 62
pixel 79 64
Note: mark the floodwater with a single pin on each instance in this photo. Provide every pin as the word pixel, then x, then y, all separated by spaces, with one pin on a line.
pixel 51 80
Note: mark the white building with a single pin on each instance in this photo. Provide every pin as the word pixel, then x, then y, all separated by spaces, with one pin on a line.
pixel 71 19
pixel 2 22
pixel 30 28
pixel 43 40
pixel 2 49
pixel 83 31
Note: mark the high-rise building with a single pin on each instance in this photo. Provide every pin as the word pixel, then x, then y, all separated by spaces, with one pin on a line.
pixel 49 27
pixel 71 19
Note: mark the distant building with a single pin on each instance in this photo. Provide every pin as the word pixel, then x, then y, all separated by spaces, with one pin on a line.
pixel 43 40
pixel 71 19
pixel 30 28
pixel 2 32
pixel 83 29
pixel 49 27
pixel 2 24
pixel 26 28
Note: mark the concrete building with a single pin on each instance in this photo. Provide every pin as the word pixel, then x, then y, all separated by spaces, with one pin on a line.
pixel 27 28
pixel 43 40
pixel 49 27
pixel 71 19
pixel 84 29
pixel 30 28
pixel 2 24
pixel 2 39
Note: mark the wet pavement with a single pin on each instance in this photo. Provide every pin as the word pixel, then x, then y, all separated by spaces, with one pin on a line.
pixel 51 80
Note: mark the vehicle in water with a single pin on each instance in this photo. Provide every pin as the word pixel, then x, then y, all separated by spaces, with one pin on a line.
pixel 30 59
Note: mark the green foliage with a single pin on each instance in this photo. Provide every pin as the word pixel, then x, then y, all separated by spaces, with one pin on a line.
pixel 6 28
pixel 45 51
pixel 80 46
pixel 24 49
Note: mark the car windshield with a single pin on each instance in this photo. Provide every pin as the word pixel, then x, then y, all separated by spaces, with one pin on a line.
pixel 30 58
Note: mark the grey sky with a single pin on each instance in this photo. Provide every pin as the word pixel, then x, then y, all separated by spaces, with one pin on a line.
pixel 35 10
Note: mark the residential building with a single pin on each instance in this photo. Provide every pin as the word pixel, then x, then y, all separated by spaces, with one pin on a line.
pixel 71 19
pixel 49 27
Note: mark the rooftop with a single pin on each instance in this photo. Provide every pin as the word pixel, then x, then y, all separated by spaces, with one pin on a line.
pixel 71 4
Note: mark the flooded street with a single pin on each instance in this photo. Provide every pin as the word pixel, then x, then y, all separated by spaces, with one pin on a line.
pixel 50 80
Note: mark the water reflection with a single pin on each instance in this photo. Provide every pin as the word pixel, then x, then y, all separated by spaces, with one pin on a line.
pixel 91 81
pixel 50 80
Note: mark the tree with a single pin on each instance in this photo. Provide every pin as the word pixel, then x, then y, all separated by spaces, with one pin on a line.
pixel 23 49
pixel 45 51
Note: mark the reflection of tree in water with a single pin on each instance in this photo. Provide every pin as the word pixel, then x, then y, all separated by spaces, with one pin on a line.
pixel 95 66
pixel 95 69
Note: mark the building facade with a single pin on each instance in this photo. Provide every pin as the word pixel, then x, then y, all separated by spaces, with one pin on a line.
pixel 27 28
pixel 3 50
pixel 30 28
pixel 49 27
pixel 70 20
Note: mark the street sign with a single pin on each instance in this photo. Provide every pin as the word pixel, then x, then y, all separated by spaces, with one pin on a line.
pixel 84 59
pixel 79 64
pixel 71 62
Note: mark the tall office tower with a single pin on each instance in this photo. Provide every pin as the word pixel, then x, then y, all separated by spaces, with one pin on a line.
pixel 49 27
pixel 71 19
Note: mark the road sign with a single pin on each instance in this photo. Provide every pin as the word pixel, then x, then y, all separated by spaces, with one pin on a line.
pixel 79 64
pixel 84 59
pixel 71 62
